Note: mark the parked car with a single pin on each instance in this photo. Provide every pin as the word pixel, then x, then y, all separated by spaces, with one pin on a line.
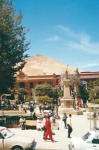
pixel 89 141
pixel 10 141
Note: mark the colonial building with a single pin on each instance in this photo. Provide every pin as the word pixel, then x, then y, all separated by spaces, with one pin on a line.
pixel 29 82
pixel 89 76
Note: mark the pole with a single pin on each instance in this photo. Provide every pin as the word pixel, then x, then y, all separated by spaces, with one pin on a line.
pixel 95 120
pixel 3 112
pixel 90 119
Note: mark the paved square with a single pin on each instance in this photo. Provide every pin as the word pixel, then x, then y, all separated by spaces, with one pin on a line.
pixel 80 123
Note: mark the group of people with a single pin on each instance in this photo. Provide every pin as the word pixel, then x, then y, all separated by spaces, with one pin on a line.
pixel 45 124
pixel 67 123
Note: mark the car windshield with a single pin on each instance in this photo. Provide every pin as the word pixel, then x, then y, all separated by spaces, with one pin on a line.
pixel 86 136
pixel 6 133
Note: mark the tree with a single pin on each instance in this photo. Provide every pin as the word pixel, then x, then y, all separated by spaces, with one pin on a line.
pixel 74 85
pixel 21 93
pixel 13 45
pixel 13 92
pixel 44 92
pixel 44 89
pixel 94 91
pixel 83 93
pixel 43 99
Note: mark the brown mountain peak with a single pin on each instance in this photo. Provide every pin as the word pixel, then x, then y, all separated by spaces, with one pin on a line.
pixel 40 64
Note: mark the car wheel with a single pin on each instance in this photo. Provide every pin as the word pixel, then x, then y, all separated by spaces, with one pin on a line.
pixel 17 148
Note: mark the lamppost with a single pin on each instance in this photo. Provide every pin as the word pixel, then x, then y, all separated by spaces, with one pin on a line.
pixel 2 105
pixel 33 95
pixel 56 99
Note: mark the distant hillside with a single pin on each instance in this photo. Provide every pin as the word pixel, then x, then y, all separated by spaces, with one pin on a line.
pixel 40 65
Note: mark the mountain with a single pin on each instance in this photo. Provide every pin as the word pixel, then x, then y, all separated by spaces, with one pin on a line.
pixel 42 65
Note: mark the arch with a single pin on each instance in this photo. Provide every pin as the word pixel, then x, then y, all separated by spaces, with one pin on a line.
pixel 49 82
pixel 31 85
pixel 22 85
pixel 40 82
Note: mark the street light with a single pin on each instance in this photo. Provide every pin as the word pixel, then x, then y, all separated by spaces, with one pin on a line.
pixel 3 105
pixel 33 95
pixel 56 99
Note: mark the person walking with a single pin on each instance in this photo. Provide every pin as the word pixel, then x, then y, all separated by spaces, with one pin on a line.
pixel 65 120
pixel 48 129
pixel 39 124
pixel 31 110
pixel 40 108
pixel 69 124
pixel 43 125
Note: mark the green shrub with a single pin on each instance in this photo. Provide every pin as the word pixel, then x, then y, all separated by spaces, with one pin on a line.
pixel 43 99
pixel 12 117
pixel 96 101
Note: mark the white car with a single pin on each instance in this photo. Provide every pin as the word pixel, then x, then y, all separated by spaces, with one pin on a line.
pixel 10 141
pixel 89 141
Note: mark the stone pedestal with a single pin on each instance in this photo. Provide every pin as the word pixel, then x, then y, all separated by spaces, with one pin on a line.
pixel 66 103
pixel 67 100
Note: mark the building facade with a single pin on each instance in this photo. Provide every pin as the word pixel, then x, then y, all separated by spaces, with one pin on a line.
pixel 29 82
pixel 89 76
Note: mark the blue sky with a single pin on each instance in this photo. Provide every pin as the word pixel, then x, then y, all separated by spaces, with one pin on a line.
pixel 64 30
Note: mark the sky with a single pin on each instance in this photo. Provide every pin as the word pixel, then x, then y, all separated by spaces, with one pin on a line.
pixel 64 30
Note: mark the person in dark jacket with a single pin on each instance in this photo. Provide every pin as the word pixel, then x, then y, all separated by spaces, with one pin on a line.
pixel 69 123
pixel 34 116
pixel 31 109
pixel 65 120
pixel 40 108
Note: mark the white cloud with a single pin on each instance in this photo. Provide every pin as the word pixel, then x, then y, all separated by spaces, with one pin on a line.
pixel 67 31
pixel 88 47
pixel 89 65
pixel 54 38
pixel 79 41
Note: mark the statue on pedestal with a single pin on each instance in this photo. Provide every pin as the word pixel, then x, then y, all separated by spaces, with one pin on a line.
pixel 66 74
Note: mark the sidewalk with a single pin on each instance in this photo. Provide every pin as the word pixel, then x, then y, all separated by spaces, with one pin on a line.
pixel 81 125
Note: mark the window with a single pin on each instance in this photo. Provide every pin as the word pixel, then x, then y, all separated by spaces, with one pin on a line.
pixel 6 133
pixel 31 85
pixel 49 82
pixel 95 141
pixel 22 85
pixel 39 82
pixel 86 136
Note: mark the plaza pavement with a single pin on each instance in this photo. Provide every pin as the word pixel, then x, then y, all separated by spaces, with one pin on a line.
pixel 80 123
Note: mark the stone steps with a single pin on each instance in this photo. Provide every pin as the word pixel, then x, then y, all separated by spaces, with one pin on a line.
pixel 70 111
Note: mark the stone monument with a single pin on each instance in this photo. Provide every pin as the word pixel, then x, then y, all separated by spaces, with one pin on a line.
pixel 67 100
pixel 66 103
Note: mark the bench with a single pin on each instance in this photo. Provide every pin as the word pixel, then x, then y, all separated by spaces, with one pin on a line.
pixel 31 124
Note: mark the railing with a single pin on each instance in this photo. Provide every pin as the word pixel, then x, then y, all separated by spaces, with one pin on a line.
pixel 12 124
